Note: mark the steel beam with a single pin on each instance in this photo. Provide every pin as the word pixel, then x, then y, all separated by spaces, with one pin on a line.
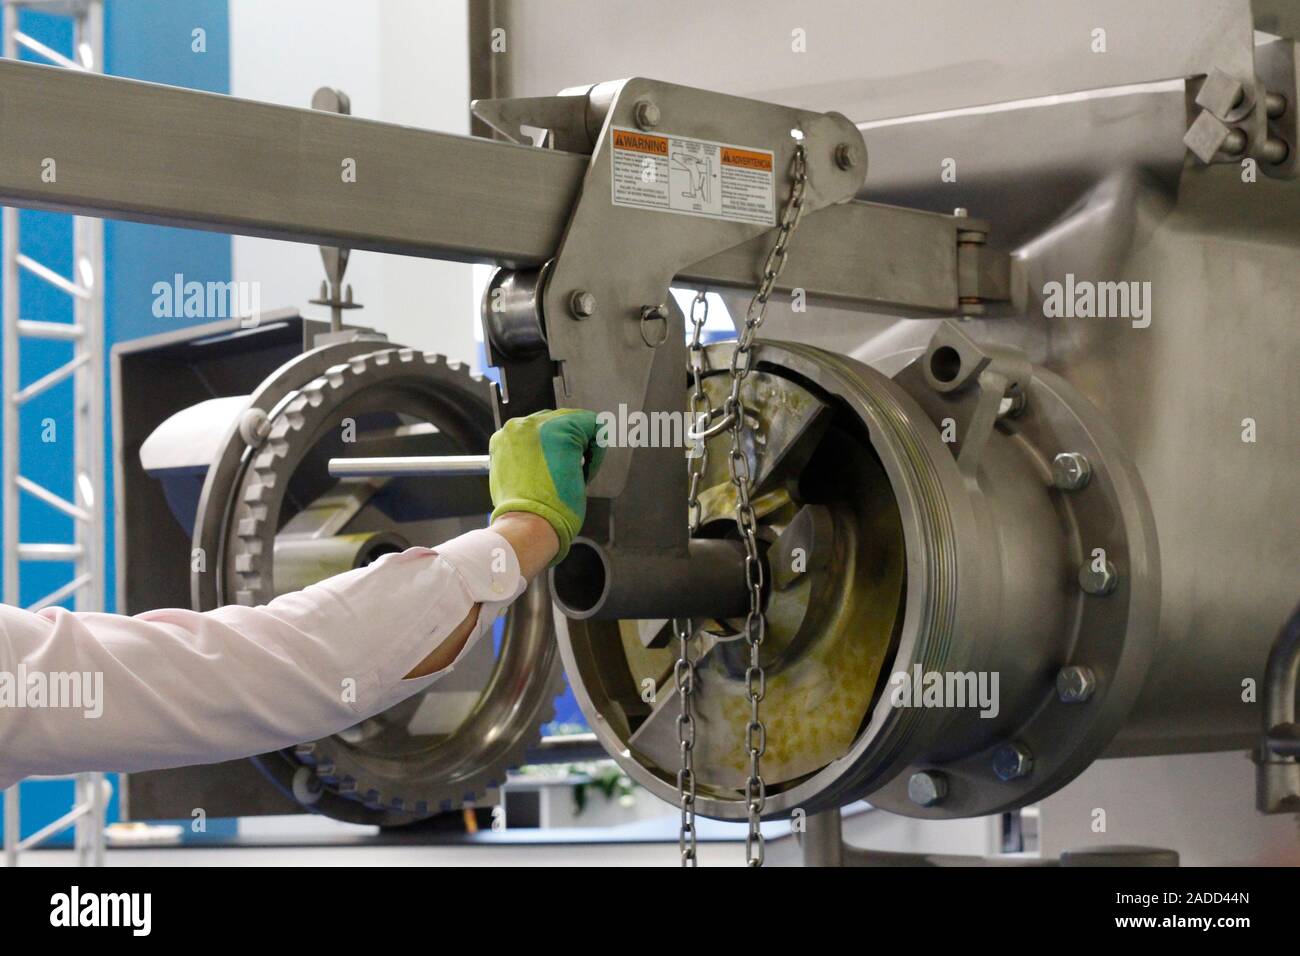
pixel 158 154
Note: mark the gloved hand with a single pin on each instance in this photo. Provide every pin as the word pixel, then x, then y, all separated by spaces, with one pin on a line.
pixel 537 465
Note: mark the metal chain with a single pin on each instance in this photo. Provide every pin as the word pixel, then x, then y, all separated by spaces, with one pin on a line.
pixel 732 418
pixel 701 414
pixel 684 673
pixel 684 670
pixel 746 520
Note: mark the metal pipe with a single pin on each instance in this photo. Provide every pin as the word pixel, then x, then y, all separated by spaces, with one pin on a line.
pixel 822 841
pixel 415 466
pixel 605 584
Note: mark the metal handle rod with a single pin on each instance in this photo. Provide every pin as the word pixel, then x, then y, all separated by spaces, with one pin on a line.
pixel 415 466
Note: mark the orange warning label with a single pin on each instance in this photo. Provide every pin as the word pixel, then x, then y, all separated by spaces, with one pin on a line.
pixel 640 142
pixel 693 177
pixel 747 158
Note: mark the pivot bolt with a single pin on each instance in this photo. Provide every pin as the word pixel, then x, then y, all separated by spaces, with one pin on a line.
pixel 1098 583
pixel 646 114
pixel 1070 471
pixel 254 426
pixel 1011 761
pixel 582 304
pixel 847 155
pixel 1075 684
pixel 927 788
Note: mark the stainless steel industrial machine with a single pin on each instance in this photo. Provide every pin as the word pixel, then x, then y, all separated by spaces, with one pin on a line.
pixel 1047 452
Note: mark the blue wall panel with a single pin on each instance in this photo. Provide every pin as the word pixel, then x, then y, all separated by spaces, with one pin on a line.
pixel 149 40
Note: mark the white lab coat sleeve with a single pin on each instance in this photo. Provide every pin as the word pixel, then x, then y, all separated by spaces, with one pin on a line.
pixel 89 691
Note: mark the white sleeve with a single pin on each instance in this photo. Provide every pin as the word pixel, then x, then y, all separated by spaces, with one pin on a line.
pixel 89 691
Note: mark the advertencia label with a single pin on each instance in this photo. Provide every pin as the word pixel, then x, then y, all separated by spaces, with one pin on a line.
pixel 692 176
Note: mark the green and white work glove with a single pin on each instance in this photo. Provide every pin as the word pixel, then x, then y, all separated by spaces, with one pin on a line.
pixel 541 464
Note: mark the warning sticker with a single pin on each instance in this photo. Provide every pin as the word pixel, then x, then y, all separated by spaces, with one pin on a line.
pixel 692 176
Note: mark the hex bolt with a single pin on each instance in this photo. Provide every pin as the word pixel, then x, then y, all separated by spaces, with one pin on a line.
pixel 847 155
pixel 1070 471
pixel 1075 684
pixel 646 114
pixel 1011 761
pixel 582 304
pixel 1098 583
pixel 927 788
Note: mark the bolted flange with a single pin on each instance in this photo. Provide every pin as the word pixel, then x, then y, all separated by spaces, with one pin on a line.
pixel 1070 471
pixel 927 788
pixel 1096 582
pixel 1011 761
pixel 1075 684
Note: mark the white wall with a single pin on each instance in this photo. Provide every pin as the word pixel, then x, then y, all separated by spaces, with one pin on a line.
pixel 1201 805
pixel 400 61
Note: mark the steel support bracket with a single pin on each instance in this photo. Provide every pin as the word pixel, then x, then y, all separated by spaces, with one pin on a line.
pixel 626 256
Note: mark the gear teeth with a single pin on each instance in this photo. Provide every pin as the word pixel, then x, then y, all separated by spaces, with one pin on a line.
pixel 265 480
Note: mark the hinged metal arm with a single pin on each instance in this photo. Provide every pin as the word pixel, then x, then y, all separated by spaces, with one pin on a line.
pixel 159 154
pixel 604 332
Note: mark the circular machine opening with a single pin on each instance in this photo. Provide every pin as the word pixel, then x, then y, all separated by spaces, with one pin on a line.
pixel 833 623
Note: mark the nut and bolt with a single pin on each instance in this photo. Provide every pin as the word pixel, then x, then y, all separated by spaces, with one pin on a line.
pixel 927 788
pixel 1098 582
pixel 1075 684
pixel 646 114
pixel 847 155
pixel 1011 761
pixel 582 304
pixel 1070 471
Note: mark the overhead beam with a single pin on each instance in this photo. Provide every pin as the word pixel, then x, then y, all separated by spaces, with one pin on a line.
pixel 160 154
pixel 129 150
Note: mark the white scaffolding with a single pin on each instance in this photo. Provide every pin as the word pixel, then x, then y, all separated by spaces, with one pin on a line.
pixel 86 368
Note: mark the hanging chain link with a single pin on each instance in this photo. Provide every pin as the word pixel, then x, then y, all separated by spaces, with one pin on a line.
pixel 684 673
pixel 684 670
pixel 746 521
pixel 731 417
pixel 701 414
